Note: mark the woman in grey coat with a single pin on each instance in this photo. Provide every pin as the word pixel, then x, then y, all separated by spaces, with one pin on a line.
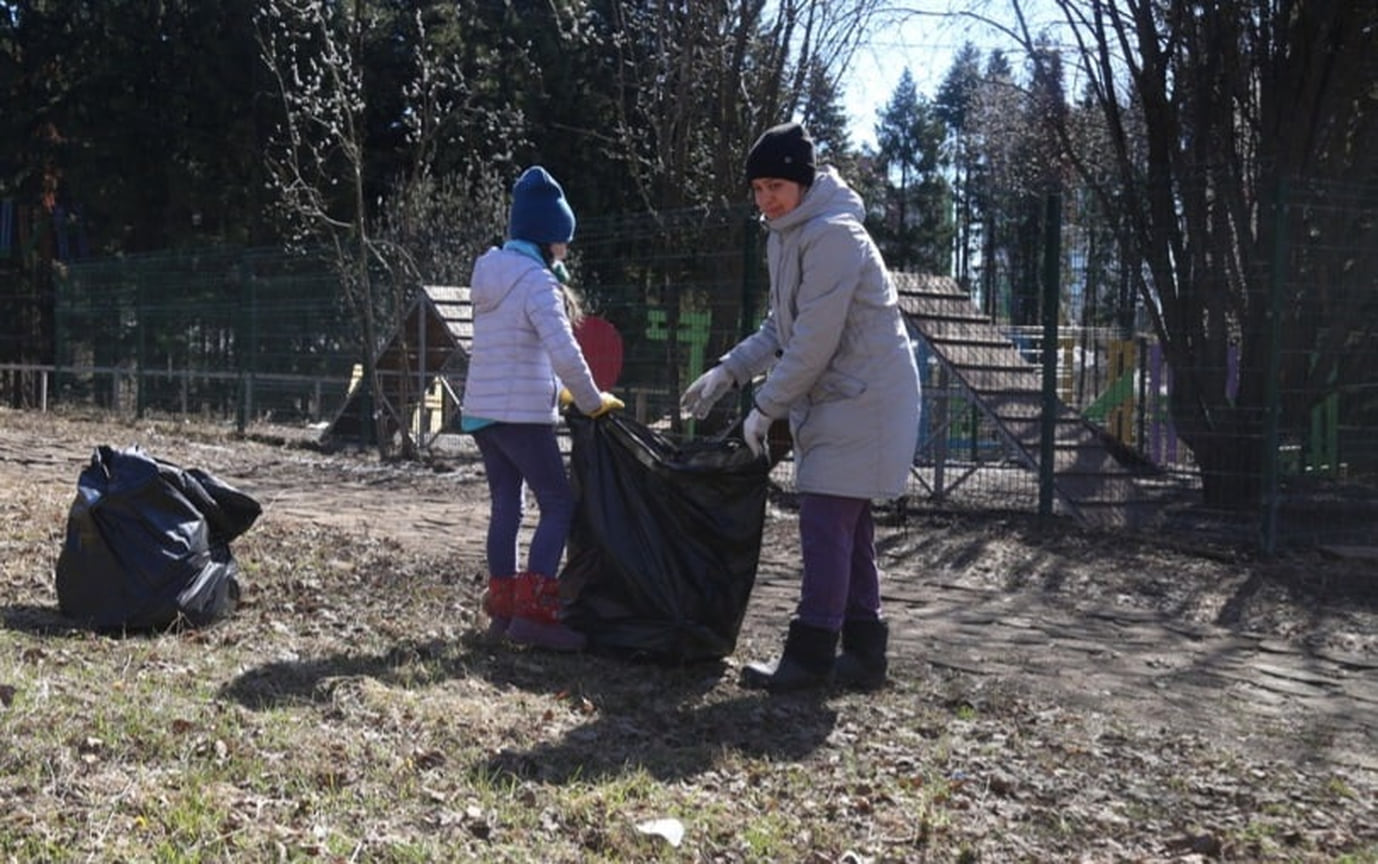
pixel 841 368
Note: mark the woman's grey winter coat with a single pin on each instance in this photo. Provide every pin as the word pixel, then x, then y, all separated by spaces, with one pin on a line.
pixel 840 360
pixel 522 342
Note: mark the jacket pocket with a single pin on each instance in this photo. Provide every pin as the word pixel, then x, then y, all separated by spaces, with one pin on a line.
pixel 834 385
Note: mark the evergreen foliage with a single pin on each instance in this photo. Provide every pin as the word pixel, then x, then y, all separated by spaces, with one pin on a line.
pixel 1216 172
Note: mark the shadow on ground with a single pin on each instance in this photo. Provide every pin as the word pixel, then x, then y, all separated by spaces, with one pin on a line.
pixel 663 720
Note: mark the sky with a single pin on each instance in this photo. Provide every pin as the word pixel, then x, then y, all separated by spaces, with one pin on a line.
pixel 921 44
pixel 926 42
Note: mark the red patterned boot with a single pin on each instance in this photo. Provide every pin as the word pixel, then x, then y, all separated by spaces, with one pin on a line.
pixel 499 602
pixel 536 615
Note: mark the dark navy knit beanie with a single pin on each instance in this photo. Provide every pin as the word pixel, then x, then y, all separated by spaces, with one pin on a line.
pixel 784 152
pixel 540 213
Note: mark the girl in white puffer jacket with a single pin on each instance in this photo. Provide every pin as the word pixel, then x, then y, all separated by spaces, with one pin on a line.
pixel 523 351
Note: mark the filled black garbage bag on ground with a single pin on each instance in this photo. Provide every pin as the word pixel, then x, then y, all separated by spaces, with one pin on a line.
pixel 666 539
pixel 148 544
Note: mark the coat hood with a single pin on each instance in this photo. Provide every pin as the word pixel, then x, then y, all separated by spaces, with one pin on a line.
pixel 828 196
pixel 496 273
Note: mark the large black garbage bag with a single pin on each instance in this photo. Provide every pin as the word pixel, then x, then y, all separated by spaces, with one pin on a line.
pixel 148 544
pixel 665 543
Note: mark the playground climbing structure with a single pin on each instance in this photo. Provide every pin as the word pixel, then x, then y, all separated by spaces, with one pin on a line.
pixel 971 367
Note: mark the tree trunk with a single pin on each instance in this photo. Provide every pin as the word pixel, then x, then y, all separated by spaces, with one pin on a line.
pixel 1231 469
pixel 1226 437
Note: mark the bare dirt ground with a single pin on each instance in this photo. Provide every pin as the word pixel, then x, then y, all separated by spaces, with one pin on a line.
pixel 1122 668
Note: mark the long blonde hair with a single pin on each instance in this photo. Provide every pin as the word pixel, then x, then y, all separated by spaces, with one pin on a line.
pixel 574 304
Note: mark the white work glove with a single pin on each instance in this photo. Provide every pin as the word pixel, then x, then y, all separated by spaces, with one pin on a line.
pixel 704 393
pixel 755 430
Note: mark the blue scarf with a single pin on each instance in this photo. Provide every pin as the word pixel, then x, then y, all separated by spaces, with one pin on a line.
pixel 531 250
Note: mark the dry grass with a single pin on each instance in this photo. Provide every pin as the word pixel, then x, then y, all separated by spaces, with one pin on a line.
pixel 345 713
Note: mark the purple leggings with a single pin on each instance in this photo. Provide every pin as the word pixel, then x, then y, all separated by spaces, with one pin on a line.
pixel 841 582
pixel 513 454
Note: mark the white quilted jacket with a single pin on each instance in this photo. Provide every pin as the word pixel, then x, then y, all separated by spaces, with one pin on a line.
pixel 523 346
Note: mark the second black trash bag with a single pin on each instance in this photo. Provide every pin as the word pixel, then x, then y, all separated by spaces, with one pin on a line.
pixel 147 544
pixel 665 542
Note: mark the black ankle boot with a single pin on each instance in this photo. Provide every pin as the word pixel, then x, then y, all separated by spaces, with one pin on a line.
pixel 862 665
pixel 806 662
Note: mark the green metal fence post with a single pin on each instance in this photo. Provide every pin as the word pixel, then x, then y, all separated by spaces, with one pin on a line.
pixel 245 349
pixel 1052 255
pixel 62 295
pixel 1272 397
pixel 747 323
pixel 140 343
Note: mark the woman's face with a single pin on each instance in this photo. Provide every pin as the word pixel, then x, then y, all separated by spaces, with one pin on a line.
pixel 776 197
pixel 558 251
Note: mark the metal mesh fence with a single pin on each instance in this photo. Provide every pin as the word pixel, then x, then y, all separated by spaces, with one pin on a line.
pixel 221 334
pixel 250 335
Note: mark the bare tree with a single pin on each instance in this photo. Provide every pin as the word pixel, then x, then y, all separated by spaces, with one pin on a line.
pixel 1242 133
pixel 316 158
pixel 421 227
pixel 432 226
pixel 698 81
pixel 695 82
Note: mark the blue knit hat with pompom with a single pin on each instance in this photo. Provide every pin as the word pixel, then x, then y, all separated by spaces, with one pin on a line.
pixel 540 213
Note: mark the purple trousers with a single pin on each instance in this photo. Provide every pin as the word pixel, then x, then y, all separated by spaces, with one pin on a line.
pixel 841 581
pixel 517 455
